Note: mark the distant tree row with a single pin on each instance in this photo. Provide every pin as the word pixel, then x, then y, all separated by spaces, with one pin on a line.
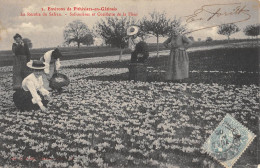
pixel 113 29
pixel 252 30
pixel 229 29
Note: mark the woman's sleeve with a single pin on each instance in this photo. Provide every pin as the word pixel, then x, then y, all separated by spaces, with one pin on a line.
pixel 58 65
pixel 27 51
pixel 131 44
pixel 186 40
pixel 47 60
pixel 36 99
pixel 14 46
pixel 166 42
pixel 138 40
pixel 43 91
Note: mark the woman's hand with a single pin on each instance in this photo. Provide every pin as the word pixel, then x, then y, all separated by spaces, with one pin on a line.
pixel 187 42
pixel 47 97
pixel 166 42
pixel 44 109
pixel 48 76
pixel 186 46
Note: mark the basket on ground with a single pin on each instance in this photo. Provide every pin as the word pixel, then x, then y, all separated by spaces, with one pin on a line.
pixel 59 80
pixel 137 71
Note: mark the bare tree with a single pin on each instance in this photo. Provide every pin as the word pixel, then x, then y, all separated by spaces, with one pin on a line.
pixel 113 31
pixel 76 31
pixel 228 29
pixel 158 25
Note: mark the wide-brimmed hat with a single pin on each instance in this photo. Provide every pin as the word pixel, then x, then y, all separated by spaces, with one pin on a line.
pixel 132 30
pixel 36 64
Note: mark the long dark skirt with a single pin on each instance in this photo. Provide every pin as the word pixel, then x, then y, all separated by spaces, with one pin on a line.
pixel 23 100
pixel 20 70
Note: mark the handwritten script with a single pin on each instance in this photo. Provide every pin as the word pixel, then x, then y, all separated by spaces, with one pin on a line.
pixel 210 14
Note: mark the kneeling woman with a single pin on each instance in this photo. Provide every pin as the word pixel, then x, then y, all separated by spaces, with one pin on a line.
pixel 32 96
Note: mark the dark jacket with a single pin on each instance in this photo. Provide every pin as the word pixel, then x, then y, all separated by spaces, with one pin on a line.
pixel 21 50
pixel 141 48
pixel 21 57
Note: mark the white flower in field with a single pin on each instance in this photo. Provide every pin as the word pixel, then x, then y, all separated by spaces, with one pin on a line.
pixel 130 158
pixel 54 145
pixel 59 125
pixel 153 162
pixel 46 152
pixel 105 144
pixel 169 140
pixel 118 140
pixel 99 161
pixel 164 155
pixel 92 151
pixel 119 147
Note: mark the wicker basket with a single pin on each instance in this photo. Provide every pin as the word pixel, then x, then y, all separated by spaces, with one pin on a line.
pixel 137 72
pixel 59 80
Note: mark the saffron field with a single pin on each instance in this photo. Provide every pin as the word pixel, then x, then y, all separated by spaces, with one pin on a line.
pixel 103 120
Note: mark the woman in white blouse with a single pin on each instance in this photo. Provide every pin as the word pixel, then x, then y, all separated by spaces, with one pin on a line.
pixel 33 95
pixel 52 60
pixel 133 40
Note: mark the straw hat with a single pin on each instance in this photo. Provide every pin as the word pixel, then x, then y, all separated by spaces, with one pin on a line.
pixel 132 30
pixel 36 64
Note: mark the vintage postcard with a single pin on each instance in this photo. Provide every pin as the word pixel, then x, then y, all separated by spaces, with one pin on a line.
pixel 134 83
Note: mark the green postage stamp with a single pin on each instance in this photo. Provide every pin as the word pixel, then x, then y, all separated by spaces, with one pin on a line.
pixel 228 141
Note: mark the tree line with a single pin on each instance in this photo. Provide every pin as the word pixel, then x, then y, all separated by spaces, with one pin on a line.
pixel 229 29
pixel 113 30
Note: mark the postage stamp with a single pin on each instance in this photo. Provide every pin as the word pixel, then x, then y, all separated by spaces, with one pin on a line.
pixel 228 141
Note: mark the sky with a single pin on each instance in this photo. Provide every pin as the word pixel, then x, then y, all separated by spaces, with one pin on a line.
pixel 47 31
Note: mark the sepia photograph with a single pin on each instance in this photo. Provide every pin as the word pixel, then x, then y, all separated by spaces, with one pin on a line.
pixel 129 84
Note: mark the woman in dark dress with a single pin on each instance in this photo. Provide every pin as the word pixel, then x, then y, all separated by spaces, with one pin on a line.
pixel 21 57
